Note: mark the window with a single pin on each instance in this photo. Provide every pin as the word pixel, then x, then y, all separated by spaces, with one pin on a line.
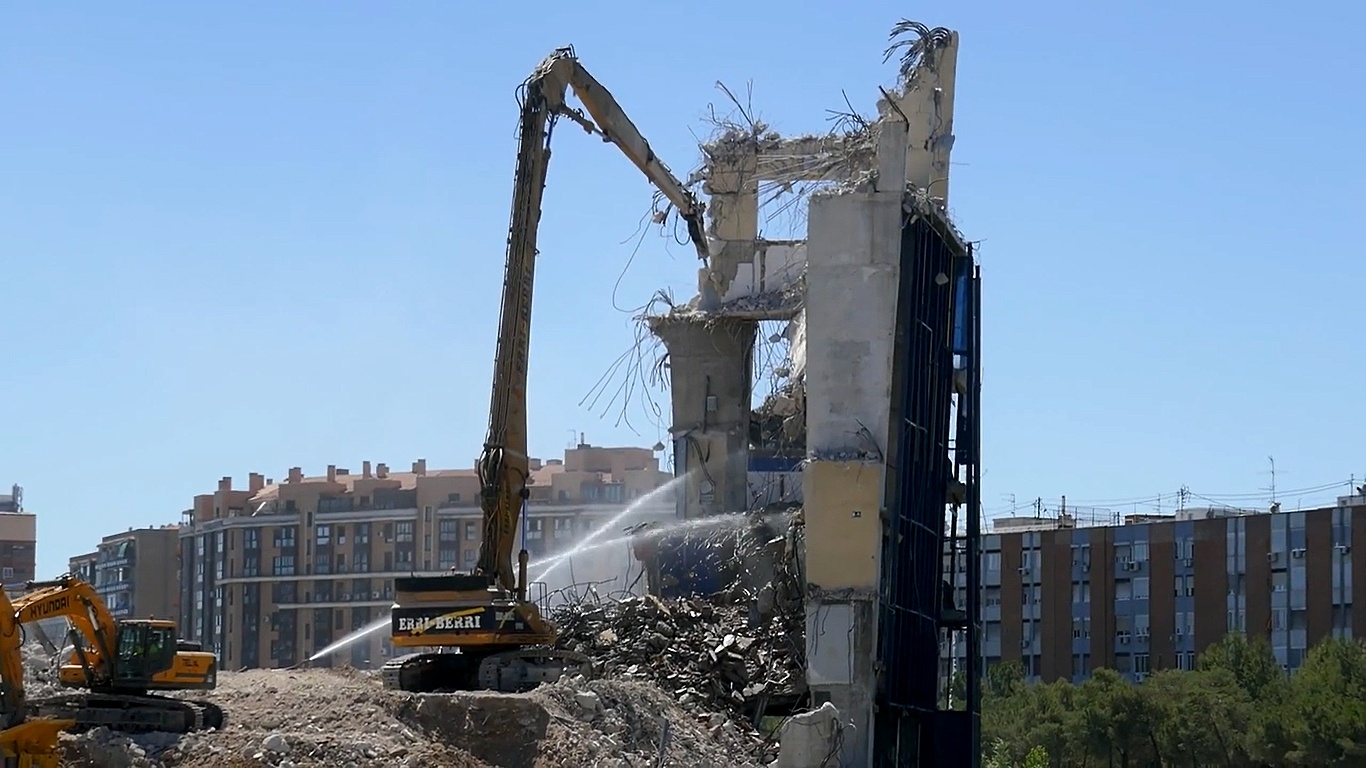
pixel 251 538
pixel 1140 588
pixel 1141 663
pixel 284 537
pixel 1081 592
pixel 448 530
pixel 471 555
pixel 363 533
pixel 448 558
pixel 360 561
pixel 1140 551
pixel 283 565
pixel 404 530
pixel 472 531
pixel 993 561
pixel 324 534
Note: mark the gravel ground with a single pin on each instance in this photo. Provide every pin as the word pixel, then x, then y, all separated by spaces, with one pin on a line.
pixel 345 718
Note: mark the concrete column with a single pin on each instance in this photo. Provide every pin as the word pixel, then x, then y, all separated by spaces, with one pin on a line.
pixel 853 271
pixel 927 101
pixel 710 360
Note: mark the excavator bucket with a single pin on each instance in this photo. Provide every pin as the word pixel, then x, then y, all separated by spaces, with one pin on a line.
pixel 33 743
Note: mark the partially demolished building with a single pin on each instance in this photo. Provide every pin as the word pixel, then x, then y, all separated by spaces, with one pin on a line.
pixel 878 407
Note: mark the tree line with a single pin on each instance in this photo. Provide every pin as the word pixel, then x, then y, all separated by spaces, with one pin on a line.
pixel 1237 709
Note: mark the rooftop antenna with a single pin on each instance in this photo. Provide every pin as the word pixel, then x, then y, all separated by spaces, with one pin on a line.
pixel 1272 487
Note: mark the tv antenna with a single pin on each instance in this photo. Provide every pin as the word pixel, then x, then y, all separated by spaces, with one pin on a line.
pixel 1271 488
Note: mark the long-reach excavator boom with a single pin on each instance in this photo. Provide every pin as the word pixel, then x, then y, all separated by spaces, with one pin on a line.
pixel 504 465
pixel 502 637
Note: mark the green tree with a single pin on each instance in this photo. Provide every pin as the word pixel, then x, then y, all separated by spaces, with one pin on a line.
pixel 1324 713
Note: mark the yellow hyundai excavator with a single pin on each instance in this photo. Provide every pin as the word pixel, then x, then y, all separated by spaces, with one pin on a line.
pixel 119 662
pixel 480 629
pixel 25 742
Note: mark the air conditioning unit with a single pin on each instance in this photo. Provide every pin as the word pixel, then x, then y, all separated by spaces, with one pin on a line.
pixel 1297 553
pixel 1273 556
pixel 374 595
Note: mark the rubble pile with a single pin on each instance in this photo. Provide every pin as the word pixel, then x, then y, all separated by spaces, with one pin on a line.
pixel 702 652
pixel 281 718
pixel 345 718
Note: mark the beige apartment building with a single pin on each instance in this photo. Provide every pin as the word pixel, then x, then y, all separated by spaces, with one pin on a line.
pixel 18 540
pixel 137 572
pixel 275 572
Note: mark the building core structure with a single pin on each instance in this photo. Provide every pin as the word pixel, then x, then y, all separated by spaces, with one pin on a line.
pixel 877 416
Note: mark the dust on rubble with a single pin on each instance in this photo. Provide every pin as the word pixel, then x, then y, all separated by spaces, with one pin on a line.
pixel 340 718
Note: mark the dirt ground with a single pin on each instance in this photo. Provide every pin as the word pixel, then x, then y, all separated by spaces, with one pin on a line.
pixel 345 718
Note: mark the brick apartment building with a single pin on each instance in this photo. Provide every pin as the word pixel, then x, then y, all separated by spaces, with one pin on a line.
pixel 18 539
pixel 275 572
pixel 137 572
pixel 1155 591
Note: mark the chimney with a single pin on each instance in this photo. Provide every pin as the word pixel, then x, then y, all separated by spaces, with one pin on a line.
pixel 382 471
pixel 331 473
pixel 420 467
pixel 225 484
pixel 365 469
pixel 296 474
pixel 255 482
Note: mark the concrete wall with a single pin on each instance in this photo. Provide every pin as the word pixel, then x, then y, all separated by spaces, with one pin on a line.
pixel 853 270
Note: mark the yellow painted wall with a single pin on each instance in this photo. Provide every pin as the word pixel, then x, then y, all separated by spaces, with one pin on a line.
pixel 843 532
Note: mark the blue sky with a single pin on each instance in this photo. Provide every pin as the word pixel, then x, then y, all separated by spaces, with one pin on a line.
pixel 239 237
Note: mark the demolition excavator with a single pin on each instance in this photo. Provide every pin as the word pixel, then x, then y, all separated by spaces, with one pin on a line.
pixel 25 742
pixel 119 664
pixel 479 629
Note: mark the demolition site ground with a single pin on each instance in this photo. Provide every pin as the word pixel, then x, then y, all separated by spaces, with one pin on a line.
pixel 677 682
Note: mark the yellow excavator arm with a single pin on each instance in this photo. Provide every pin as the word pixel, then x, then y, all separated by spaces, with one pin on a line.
pixel 504 466
pixel 77 602
pixel 24 741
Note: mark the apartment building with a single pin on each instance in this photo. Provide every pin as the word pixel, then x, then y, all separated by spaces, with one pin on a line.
pixel 18 539
pixel 275 572
pixel 136 572
pixel 1153 591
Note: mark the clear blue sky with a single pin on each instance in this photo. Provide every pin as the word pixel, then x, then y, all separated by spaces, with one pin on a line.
pixel 239 237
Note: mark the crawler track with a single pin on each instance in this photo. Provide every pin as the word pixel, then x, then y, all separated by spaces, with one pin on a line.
pixel 513 671
pixel 130 714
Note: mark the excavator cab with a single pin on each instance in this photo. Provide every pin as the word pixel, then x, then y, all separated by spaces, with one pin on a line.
pixel 144 649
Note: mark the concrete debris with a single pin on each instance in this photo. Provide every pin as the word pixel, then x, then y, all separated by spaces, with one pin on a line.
pixel 282 719
pixel 703 653
pixel 810 739
pixel 345 718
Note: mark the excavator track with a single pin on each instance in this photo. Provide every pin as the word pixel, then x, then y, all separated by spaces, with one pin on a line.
pixel 512 671
pixel 130 714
